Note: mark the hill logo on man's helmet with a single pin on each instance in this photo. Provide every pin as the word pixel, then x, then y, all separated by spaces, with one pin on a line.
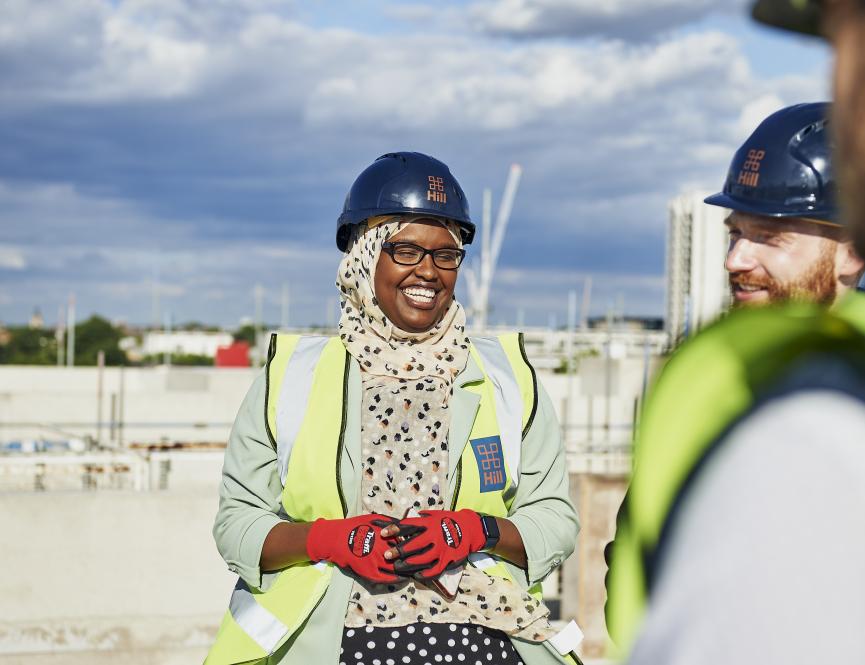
pixel 750 173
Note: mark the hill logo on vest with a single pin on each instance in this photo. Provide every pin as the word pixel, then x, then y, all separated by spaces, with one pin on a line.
pixel 491 462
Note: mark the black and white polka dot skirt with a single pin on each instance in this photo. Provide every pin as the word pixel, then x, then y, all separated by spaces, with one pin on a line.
pixel 427 644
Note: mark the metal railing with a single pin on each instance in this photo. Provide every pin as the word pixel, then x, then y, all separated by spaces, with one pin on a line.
pixel 131 471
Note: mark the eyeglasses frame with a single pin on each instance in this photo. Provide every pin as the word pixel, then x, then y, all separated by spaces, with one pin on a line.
pixel 391 247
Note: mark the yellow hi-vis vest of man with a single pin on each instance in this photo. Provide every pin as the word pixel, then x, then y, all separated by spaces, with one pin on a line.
pixel 706 388
pixel 306 419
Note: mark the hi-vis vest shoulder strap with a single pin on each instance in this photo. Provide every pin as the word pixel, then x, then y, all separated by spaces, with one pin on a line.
pixel 307 382
pixel 746 355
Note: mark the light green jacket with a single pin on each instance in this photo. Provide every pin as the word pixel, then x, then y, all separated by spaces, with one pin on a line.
pixel 250 500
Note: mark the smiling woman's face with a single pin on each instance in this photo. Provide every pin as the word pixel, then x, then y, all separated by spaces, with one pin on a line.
pixel 415 298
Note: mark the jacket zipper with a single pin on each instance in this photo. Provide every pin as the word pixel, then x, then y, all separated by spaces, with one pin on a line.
pixel 459 474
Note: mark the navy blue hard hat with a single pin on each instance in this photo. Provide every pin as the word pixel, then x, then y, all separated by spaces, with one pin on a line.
pixel 405 183
pixel 784 169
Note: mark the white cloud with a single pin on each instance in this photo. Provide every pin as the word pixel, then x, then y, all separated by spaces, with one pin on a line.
pixel 333 77
pixel 754 112
pixel 220 136
pixel 12 258
pixel 632 19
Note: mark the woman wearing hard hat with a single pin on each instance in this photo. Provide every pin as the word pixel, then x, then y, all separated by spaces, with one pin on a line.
pixel 392 494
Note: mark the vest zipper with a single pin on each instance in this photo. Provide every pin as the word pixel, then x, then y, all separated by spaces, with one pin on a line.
pixel 459 474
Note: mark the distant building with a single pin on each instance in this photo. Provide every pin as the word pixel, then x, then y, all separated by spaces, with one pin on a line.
pixel 187 342
pixel 697 286
pixel 37 321
pixel 233 355
pixel 635 323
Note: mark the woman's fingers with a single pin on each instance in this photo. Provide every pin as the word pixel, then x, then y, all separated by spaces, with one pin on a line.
pixel 394 529
pixel 390 531
pixel 401 551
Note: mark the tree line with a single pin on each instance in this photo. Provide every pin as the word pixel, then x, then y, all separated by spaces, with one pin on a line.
pixel 23 345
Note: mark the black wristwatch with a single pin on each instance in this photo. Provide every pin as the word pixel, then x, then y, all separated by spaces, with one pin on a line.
pixel 491 531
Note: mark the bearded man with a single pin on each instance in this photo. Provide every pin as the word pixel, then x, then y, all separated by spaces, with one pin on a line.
pixel 786 238
pixel 740 538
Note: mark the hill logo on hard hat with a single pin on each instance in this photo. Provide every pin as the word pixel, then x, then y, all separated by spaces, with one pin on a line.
pixel 436 190
pixel 750 173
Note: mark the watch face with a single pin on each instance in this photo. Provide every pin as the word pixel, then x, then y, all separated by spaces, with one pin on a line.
pixel 491 531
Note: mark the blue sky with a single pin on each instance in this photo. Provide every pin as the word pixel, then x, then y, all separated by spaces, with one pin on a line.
pixel 211 142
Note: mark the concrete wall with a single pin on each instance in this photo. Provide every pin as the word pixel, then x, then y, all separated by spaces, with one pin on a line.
pixel 597 497
pixel 176 404
pixel 596 405
pixel 109 577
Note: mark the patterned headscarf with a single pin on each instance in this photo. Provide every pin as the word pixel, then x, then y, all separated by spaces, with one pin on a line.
pixel 379 346
pixel 405 436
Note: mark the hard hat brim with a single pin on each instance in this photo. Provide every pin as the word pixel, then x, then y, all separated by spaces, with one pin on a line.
pixel 802 16
pixel 723 200
pixel 347 220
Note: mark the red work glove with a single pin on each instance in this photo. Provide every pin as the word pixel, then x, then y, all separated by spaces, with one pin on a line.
pixel 440 539
pixel 354 544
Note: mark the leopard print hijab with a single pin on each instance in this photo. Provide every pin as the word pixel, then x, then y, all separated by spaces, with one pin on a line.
pixel 371 338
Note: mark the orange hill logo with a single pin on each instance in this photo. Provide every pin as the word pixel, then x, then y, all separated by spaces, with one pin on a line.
pixel 750 173
pixel 436 190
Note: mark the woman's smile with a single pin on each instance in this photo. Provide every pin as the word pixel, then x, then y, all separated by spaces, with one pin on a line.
pixel 421 297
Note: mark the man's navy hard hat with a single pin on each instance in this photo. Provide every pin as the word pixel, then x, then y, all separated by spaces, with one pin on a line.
pixel 784 169
pixel 404 183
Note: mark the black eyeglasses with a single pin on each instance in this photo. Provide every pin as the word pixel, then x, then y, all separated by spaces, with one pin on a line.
pixel 409 254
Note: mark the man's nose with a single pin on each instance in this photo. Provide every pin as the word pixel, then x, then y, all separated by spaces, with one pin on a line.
pixel 740 256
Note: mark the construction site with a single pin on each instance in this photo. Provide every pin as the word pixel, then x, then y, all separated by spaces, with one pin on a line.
pixel 118 468
pixel 261 266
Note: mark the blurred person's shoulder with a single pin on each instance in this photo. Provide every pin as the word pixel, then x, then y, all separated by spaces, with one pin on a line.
pixel 742 361
pixel 756 346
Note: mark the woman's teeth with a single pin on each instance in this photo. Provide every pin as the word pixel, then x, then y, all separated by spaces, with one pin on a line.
pixel 420 294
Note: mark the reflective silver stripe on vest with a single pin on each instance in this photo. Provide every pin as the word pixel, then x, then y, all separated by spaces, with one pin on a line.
pixel 509 400
pixel 257 622
pixel 294 395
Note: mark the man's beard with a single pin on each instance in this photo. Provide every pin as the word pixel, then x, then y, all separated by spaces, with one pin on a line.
pixel 817 285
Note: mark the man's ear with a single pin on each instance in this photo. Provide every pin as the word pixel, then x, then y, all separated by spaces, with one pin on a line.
pixel 848 264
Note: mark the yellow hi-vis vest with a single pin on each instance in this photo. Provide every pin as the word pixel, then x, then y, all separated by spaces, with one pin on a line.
pixel 307 382
pixel 747 356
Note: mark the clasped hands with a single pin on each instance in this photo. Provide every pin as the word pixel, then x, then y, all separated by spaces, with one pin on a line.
pixel 384 549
